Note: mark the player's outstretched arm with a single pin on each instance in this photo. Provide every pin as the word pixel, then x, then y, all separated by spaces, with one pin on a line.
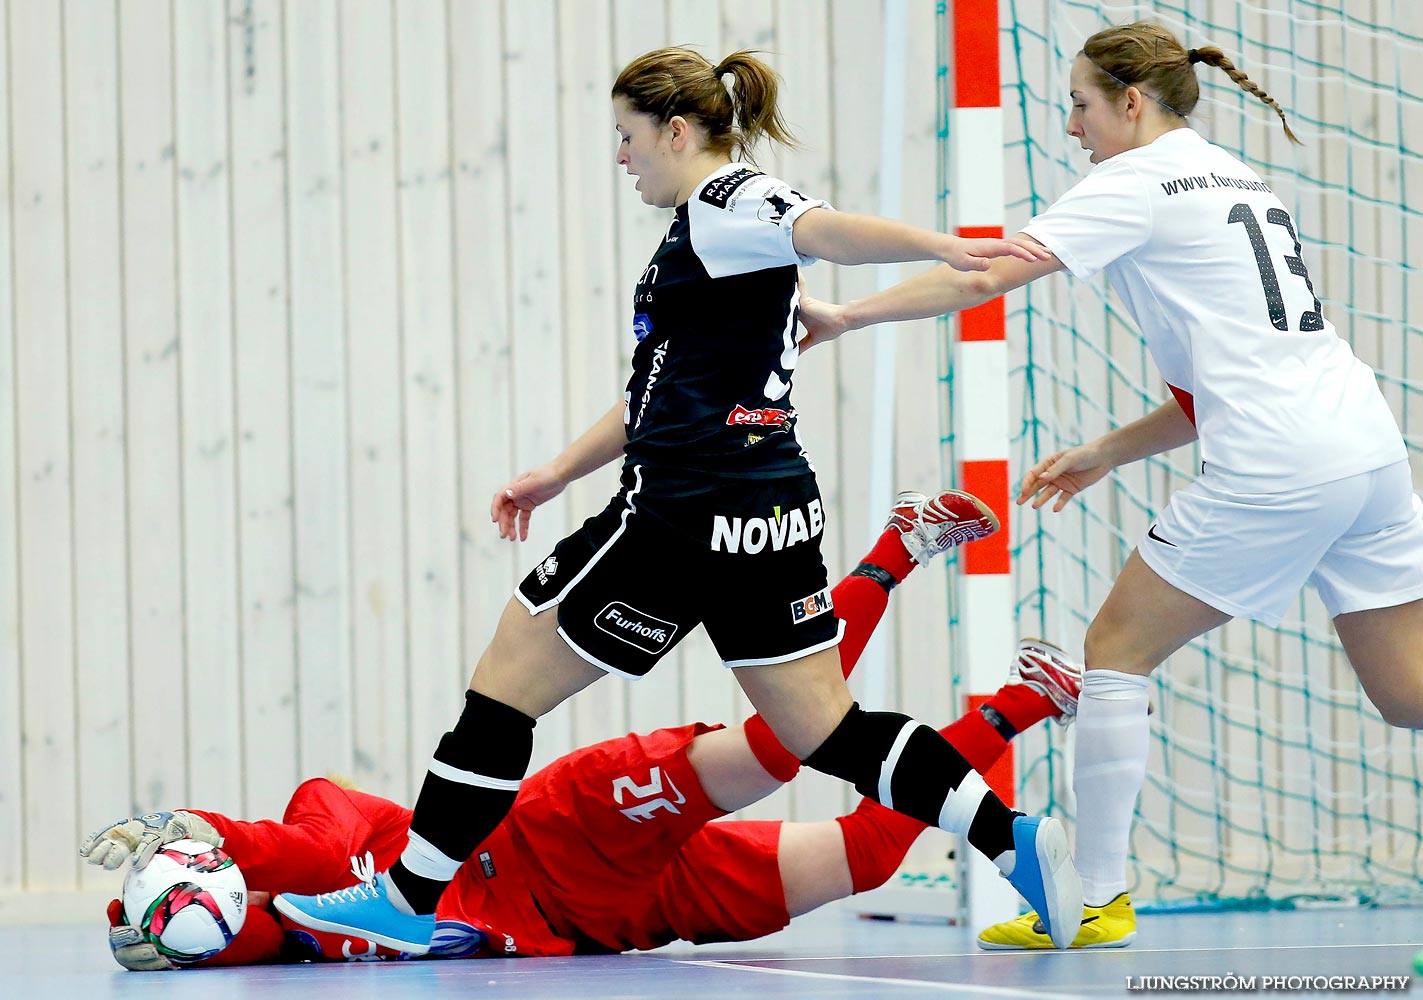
pixel 1064 474
pixel 934 293
pixel 514 503
pixel 843 238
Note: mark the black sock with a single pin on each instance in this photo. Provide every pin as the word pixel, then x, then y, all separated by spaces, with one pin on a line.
pixel 922 776
pixel 490 745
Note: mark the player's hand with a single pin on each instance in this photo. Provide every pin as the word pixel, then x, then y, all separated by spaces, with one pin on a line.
pixel 975 254
pixel 1063 476
pixel 515 502
pixel 139 838
pixel 129 947
pixel 823 321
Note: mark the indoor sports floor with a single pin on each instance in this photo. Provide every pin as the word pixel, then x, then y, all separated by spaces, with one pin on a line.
pixel 827 954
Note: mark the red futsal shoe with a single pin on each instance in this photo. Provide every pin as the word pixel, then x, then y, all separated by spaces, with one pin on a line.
pixel 929 525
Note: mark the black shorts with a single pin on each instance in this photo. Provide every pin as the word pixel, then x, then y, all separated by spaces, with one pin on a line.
pixel 743 560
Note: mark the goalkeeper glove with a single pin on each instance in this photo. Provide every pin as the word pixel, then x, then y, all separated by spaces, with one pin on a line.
pixel 139 838
pixel 130 948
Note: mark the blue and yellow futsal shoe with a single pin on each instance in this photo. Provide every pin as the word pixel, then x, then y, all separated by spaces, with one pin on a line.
pixel 1044 873
pixel 1110 926
pixel 365 912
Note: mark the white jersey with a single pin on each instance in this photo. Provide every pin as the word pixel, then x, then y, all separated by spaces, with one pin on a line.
pixel 1207 260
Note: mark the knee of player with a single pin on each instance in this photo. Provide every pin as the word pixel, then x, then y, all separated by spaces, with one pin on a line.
pixel 1107 646
pixel 870 865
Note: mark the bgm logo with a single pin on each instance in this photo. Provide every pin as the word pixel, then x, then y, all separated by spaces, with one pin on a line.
pixel 641 326
pixel 636 628
pixel 546 569
pixel 781 530
pixel 807 608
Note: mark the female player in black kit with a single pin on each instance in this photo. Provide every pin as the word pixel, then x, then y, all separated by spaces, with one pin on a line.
pixel 718 520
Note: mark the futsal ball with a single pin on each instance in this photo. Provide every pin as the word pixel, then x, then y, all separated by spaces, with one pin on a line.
pixel 190 900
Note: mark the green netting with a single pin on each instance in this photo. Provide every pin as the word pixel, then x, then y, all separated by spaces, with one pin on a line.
pixel 1272 779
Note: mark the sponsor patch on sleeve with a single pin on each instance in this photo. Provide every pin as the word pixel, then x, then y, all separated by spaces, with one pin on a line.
pixel 719 190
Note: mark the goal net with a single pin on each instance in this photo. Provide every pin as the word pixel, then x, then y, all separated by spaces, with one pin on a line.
pixel 1272 780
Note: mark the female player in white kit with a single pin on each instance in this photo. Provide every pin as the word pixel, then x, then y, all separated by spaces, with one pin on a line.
pixel 1304 478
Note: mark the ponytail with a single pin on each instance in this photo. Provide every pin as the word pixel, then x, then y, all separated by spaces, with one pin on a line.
pixel 1212 56
pixel 676 81
pixel 1149 57
pixel 754 92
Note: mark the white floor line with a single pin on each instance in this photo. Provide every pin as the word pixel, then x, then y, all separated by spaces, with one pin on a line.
pixel 1129 950
pixel 973 989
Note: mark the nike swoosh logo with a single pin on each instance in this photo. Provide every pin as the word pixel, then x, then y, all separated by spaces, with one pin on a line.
pixel 1040 928
pixel 1151 533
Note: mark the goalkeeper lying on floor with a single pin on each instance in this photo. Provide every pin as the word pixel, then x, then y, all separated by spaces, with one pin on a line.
pixel 612 847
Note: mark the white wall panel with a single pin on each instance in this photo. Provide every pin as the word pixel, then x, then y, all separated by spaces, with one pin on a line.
pixel 214 678
pixel 97 431
pixel 12 806
pixel 43 457
pixel 437 673
pixel 382 750
pixel 318 381
pixel 262 364
pixel 479 114
pixel 154 426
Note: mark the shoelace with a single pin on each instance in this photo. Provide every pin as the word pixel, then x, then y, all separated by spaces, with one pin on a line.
pixel 365 870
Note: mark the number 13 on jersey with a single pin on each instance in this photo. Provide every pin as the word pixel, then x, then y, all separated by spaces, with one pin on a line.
pixel 1310 319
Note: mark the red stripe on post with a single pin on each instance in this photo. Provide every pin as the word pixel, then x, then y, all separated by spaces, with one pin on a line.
pixel 988 480
pixel 999 777
pixel 976 54
pixel 988 321
pixel 985 322
pixel 980 232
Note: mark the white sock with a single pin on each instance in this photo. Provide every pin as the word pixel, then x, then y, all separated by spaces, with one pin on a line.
pixel 1113 739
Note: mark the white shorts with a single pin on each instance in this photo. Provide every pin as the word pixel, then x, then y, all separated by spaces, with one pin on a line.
pixel 1358 540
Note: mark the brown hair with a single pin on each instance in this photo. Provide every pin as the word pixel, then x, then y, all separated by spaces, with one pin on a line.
pixel 675 81
pixel 1147 56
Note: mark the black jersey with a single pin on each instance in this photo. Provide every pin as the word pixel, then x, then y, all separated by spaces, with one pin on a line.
pixel 715 319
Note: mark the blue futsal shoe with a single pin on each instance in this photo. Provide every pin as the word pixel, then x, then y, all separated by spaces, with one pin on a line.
pixel 363 911
pixel 1045 875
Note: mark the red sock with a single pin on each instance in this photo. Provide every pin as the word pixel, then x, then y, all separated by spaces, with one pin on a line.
pixel 877 839
pixel 1022 705
pixel 779 762
pixel 980 741
pixel 860 603
pixel 890 554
